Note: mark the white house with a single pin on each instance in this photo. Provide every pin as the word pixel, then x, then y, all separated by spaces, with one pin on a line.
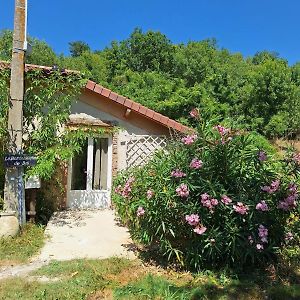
pixel 88 177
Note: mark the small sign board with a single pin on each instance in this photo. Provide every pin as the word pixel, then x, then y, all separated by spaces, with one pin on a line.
pixel 32 182
pixel 19 160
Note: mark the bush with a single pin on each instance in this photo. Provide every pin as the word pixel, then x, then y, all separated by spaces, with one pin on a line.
pixel 213 197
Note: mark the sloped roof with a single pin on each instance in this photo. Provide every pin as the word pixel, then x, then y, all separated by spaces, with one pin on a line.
pixel 119 99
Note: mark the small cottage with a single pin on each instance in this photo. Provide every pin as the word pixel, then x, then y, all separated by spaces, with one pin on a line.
pixel 135 133
pixel 140 132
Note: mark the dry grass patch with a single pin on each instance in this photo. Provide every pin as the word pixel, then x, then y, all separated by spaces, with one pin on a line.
pixel 21 248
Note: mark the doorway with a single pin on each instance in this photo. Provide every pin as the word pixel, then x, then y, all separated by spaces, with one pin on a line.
pixel 90 175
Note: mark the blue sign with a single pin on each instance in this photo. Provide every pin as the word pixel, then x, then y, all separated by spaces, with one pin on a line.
pixel 19 160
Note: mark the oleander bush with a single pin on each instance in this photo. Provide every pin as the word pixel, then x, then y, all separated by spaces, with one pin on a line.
pixel 213 197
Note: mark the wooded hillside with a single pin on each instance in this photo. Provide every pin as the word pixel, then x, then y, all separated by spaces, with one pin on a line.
pixel 261 93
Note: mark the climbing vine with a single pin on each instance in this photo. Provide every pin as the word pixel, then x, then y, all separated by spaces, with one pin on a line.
pixel 49 95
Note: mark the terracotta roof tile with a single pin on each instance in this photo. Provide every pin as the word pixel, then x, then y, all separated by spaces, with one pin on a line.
pixel 113 96
pixel 142 110
pixel 90 85
pixel 164 120
pixel 178 126
pixel 157 117
pixel 98 88
pixel 120 99
pixel 105 92
pixel 128 103
pixel 135 106
pixel 150 113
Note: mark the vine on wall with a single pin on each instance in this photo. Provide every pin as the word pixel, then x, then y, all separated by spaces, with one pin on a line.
pixel 47 104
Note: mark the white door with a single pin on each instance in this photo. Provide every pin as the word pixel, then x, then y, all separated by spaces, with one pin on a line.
pixel 90 175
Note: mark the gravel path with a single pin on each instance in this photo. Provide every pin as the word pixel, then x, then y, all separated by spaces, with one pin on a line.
pixel 78 235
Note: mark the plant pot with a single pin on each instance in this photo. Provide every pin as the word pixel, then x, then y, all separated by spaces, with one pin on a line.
pixel 9 224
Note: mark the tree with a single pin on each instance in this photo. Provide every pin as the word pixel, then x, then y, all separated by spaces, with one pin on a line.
pixel 78 47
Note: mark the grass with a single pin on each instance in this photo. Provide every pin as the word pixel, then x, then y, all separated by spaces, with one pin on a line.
pixel 117 278
pixel 20 248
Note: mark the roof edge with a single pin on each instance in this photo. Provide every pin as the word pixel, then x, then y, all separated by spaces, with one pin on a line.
pixel 136 107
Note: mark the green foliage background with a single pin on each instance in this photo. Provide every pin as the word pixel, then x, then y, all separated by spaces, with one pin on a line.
pixel 260 92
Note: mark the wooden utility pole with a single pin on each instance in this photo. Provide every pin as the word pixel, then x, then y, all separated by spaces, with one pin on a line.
pixel 14 199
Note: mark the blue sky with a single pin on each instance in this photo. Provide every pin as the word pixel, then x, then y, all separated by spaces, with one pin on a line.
pixel 245 26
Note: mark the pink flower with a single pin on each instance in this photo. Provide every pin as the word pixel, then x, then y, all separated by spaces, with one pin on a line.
pixel 183 191
pixel 150 194
pixel 189 139
pixel 272 188
pixel 214 201
pixel 177 174
pixel 241 208
pixel 196 163
pixel 205 197
pixel 192 219
pixel 283 205
pixel 208 202
pixel 140 211
pixel 222 130
pixel 225 199
pixel 259 247
pixel 200 230
pixel 127 187
pixel 262 156
pixel 262 206
pixel 194 113
pixel 263 233
pixel 275 185
pixel 289 202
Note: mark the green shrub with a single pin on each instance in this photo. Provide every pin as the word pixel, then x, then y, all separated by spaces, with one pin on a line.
pixel 213 197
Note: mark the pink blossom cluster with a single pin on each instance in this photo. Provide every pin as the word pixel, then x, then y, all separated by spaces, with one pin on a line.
pixel 262 206
pixel 194 220
pixel 194 113
pixel 290 201
pixel 196 163
pixel 189 139
pixel 125 191
pixel 127 187
pixel 177 173
pixel 241 208
pixel 140 211
pixel 226 200
pixel 150 194
pixel 272 188
pixel 208 201
pixel 262 156
pixel 183 191
pixel 200 229
pixel 222 130
pixel 263 233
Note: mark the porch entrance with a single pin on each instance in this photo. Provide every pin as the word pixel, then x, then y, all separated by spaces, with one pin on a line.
pixel 90 175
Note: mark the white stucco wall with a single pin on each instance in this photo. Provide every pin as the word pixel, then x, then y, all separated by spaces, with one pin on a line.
pixel 124 134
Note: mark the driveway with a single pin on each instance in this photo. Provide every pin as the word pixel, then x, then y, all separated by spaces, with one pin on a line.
pixel 85 234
